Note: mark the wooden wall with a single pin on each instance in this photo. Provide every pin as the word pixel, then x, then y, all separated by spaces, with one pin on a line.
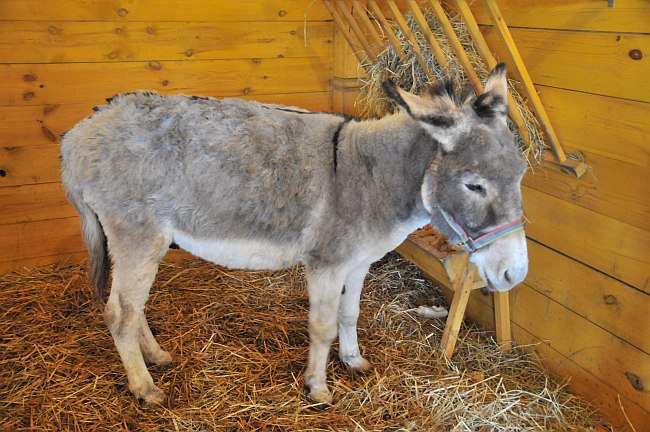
pixel 585 304
pixel 587 296
pixel 59 59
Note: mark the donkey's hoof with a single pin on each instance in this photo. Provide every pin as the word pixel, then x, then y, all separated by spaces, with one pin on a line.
pixel 320 395
pixel 151 397
pixel 356 363
pixel 163 360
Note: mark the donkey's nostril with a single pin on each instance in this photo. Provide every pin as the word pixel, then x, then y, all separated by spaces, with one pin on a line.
pixel 506 276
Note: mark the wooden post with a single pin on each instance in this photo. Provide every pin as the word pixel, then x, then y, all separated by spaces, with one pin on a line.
pixel 345 82
pixel 502 320
pixel 462 289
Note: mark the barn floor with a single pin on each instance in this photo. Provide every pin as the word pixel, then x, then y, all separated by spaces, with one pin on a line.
pixel 240 345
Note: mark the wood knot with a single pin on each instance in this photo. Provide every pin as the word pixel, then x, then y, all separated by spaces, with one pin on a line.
pixel 189 53
pixel 149 30
pixel 282 13
pixel 635 54
pixel 155 65
pixel 52 30
pixel 119 31
pixel 246 91
pixel 636 382
pixel 112 55
pixel 3 173
pixel 165 83
pixel 29 77
pixel 292 32
pixel 122 12
pixel 610 299
pixel 28 96
pixel 48 134
pixel 256 60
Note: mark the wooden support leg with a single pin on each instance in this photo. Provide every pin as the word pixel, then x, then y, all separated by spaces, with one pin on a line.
pixel 463 288
pixel 502 318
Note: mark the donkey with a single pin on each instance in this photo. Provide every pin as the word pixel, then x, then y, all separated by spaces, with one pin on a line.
pixel 262 186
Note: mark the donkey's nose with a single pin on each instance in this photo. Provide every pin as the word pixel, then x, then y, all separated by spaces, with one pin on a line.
pixel 513 275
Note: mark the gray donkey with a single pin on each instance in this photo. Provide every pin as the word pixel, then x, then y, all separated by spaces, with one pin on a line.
pixel 256 186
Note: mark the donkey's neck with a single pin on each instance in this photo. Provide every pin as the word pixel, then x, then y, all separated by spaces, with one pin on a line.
pixel 381 166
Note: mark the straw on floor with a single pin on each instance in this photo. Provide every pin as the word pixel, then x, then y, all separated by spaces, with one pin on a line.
pixel 240 344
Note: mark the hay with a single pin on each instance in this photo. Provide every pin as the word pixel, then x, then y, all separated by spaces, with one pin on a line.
pixel 240 342
pixel 410 76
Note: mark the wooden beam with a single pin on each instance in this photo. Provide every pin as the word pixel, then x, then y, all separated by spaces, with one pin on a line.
pixel 360 11
pixel 415 46
pixel 343 29
pixel 456 45
pixel 485 53
pixel 354 26
pixel 527 83
pixel 429 36
pixel 385 25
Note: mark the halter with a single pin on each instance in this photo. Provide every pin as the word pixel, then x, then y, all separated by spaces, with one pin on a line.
pixel 466 242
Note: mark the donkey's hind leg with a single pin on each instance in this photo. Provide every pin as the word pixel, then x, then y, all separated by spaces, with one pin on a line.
pixel 135 267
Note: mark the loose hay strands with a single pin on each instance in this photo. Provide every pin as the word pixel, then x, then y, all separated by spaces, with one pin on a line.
pixel 410 75
pixel 240 343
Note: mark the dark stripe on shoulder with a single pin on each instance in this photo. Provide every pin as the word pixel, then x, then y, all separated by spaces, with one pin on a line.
pixel 335 140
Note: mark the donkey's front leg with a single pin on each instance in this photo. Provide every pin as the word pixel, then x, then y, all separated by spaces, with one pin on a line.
pixel 348 315
pixel 324 294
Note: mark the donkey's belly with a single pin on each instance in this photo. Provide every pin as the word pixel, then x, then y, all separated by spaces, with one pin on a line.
pixel 243 253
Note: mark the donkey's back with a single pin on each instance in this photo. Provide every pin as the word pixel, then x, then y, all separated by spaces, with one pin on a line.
pixel 215 176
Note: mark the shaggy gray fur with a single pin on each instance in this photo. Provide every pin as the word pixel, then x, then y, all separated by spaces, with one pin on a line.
pixel 268 186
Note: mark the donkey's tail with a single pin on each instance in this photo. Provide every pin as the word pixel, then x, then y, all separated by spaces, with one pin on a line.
pixel 95 238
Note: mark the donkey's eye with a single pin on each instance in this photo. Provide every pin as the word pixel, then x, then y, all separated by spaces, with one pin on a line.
pixel 477 188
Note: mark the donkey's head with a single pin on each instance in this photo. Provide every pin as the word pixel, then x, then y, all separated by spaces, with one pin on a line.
pixel 473 187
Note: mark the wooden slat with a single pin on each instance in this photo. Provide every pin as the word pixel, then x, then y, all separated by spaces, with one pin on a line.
pixel 515 59
pixel 415 46
pixel 25 264
pixel 80 82
pixel 585 61
pixel 616 128
pixel 40 238
pixel 42 124
pixel 625 16
pixel 56 41
pixel 163 10
pixel 586 344
pixel 380 16
pixel 34 202
pixel 455 43
pixel 615 248
pixel 606 189
pixel 488 58
pixel 354 26
pixel 30 165
pixel 608 303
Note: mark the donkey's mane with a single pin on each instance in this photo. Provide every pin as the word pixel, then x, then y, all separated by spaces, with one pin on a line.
pixel 447 87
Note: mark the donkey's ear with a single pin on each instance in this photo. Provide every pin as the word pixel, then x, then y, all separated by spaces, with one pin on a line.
pixel 438 112
pixel 494 100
